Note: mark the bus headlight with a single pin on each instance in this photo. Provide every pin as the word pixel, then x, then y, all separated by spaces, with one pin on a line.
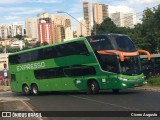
pixel 124 85
pixel 124 79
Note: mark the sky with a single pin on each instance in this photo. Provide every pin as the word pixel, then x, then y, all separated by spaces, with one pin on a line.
pixel 16 11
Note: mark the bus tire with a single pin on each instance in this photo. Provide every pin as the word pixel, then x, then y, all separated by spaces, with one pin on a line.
pixel 93 87
pixel 26 89
pixel 34 89
pixel 115 91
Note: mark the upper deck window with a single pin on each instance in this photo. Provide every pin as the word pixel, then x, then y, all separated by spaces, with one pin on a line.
pixel 67 49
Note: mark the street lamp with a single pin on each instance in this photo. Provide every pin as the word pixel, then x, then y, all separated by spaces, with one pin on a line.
pixel 73 18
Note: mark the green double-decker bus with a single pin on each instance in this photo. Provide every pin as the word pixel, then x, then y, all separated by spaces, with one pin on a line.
pixel 93 63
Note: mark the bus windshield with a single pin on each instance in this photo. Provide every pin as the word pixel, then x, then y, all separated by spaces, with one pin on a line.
pixel 130 66
pixel 112 62
pixel 111 42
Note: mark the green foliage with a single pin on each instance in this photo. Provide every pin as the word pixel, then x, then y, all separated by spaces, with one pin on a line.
pixel 12 49
pixel 18 37
pixel 38 44
pixel 154 81
pixel 45 43
pixel 107 26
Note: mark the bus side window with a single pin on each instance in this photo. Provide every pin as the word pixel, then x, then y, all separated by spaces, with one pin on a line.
pixel 81 71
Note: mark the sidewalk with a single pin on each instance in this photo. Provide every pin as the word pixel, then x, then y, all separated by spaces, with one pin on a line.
pixel 14 105
pixel 4 88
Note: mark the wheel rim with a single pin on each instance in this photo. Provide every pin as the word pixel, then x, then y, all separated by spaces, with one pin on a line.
pixel 26 89
pixel 92 87
pixel 35 90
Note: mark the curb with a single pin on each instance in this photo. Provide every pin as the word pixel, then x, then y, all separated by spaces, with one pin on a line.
pixel 149 88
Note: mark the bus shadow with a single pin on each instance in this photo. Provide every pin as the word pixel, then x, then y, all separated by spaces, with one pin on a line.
pixel 101 93
pixel 122 92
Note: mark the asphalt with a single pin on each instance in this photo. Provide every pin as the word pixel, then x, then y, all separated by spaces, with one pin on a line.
pixel 22 105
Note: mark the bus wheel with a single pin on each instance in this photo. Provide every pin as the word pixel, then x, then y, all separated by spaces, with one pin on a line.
pixel 93 87
pixel 116 91
pixel 34 89
pixel 26 90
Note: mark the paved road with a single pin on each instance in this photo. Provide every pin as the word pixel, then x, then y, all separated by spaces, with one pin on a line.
pixel 128 100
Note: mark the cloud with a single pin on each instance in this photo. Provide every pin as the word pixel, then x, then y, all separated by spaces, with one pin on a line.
pixel 120 8
pixel 12 1
pixel 11 17
pixel 21 10
pixel 45 1
pixel 144 1
pixel 29 11
pixel 28 1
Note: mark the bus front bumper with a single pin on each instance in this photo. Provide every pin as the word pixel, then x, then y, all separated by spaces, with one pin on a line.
pixel 123 84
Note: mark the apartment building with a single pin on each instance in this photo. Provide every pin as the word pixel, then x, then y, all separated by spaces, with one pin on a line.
pixel 100 12
pixel 81 29
pixel 50 28
pixel 124 19
pixel 86 15
pixel 31 28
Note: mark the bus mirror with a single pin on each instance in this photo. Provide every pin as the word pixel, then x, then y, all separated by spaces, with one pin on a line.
pixel 144 51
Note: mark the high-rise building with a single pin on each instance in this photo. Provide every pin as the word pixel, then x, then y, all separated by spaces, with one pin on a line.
pixel 17 30
pixel 31 25
pixel 55 27
pixel 118 18
pixel 81 29
pixel 45 33
pixel 86 15
pixel 7 31
pixel 3 31
pixel 100 12
pixel 129 19
pixel 124 19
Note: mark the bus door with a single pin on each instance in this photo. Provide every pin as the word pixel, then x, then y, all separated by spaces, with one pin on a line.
pixel 13 82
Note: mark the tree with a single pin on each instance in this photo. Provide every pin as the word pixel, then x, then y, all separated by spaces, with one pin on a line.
pixel 18 37
pixel 45 43
pixel 38 44
pixel 148 33
pixel 107 26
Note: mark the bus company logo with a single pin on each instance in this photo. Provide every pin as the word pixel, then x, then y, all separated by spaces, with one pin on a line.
pixel 31 66
pixel 98 40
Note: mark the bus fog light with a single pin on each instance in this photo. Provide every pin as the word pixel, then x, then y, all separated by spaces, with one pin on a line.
pixel 124 85
pixel 78 81
pixel 103 80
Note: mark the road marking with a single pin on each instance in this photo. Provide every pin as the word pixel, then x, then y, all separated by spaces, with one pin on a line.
pixel 106 103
